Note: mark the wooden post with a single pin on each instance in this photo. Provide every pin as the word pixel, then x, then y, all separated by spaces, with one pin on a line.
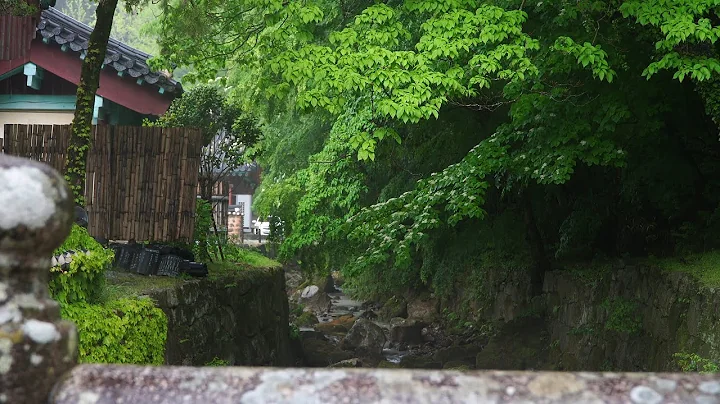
pixel 36 346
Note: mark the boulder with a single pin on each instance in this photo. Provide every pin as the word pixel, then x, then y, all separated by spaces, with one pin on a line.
pixel 306 319
pixel 423 310
pixel 319 353
pixel 293 279
pixel 312 334
pixel 368 314
pixel 365 335
pixel 342 324
pixel 329 285
pixel 394 307
pixel 406 331
pixel 330 328
pixel 338 277
pixel 314 299
pixel 465 353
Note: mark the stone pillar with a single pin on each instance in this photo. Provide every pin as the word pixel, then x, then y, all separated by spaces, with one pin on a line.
pixel 36 346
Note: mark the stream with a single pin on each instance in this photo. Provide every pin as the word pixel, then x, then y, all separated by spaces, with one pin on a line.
pixel 343 305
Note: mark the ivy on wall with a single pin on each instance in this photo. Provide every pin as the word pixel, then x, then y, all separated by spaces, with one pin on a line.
pixel 131 331
pixel 84 279
pixel 127 330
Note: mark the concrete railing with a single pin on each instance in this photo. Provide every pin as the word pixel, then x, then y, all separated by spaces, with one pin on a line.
pixel 38 350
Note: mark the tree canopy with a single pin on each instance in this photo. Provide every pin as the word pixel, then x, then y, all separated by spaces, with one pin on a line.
pixel 399 135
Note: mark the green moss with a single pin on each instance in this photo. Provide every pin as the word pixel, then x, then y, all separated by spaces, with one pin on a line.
pixel 704 267
pixel 122 284
pixel 306 319
pixel 622 316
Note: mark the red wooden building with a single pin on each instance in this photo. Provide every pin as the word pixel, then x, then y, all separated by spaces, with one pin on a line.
pixel 40 63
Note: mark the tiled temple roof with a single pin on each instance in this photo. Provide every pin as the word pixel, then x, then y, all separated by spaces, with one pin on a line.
pixel 56 27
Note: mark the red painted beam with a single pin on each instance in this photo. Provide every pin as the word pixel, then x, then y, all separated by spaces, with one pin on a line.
pixel 7 65
pixel 143 99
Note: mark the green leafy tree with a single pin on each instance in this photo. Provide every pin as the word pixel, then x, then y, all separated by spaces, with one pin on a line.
pixel 426 120
pixel 227 133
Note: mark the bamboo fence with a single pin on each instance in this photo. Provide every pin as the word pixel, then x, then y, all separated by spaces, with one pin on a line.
pixel 141 182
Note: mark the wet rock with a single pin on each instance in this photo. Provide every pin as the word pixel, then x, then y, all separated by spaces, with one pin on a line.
pixel 521 344
pixel 312 334
pixel 368 356
pixel 394 307
pixel 341 324
pixel 319 353
pixel 423 309
pixel 329 285
pixel 388 365
pixel 349 363
pixel 330 328
pixel 338 277
pixel 465 353
pixel 419 362
pixel 368 314
pixel 406 331
pixel 293 279
pixel 427 335
pixel 314 299
pixel 306 319
pixel 365 335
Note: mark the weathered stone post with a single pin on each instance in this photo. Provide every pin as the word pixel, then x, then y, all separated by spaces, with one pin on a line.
pixel 36 346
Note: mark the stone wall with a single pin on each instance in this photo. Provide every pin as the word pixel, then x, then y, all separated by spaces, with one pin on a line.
pixel 240 318
pixel 630 319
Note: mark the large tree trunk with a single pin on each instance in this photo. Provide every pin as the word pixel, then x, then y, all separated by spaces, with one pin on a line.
pixel 89 82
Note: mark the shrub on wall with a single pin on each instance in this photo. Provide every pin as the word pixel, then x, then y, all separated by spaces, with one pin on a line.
pixel 131 331
pixel 84 279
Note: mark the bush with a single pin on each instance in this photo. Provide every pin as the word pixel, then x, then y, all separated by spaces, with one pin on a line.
pixel 690 362
pixel 84 279
pixel 131 331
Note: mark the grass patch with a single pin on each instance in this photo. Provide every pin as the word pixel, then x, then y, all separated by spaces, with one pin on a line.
pixel 124 284
pixel 705 267
pixel 252 258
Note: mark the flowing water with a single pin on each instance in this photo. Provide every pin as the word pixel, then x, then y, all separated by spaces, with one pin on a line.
pixel 343 305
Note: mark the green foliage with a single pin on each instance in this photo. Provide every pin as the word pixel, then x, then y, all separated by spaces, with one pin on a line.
pixel 238 254
pixel 704 267
pixel 131 27
pixel 17 7
pixel 84 280
pixel 205 107
pixel 217 362
pixel 393 131
pixel 690 362
pixel 622 316
pixel 294 332
pixel 131 331
pixel 687 34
